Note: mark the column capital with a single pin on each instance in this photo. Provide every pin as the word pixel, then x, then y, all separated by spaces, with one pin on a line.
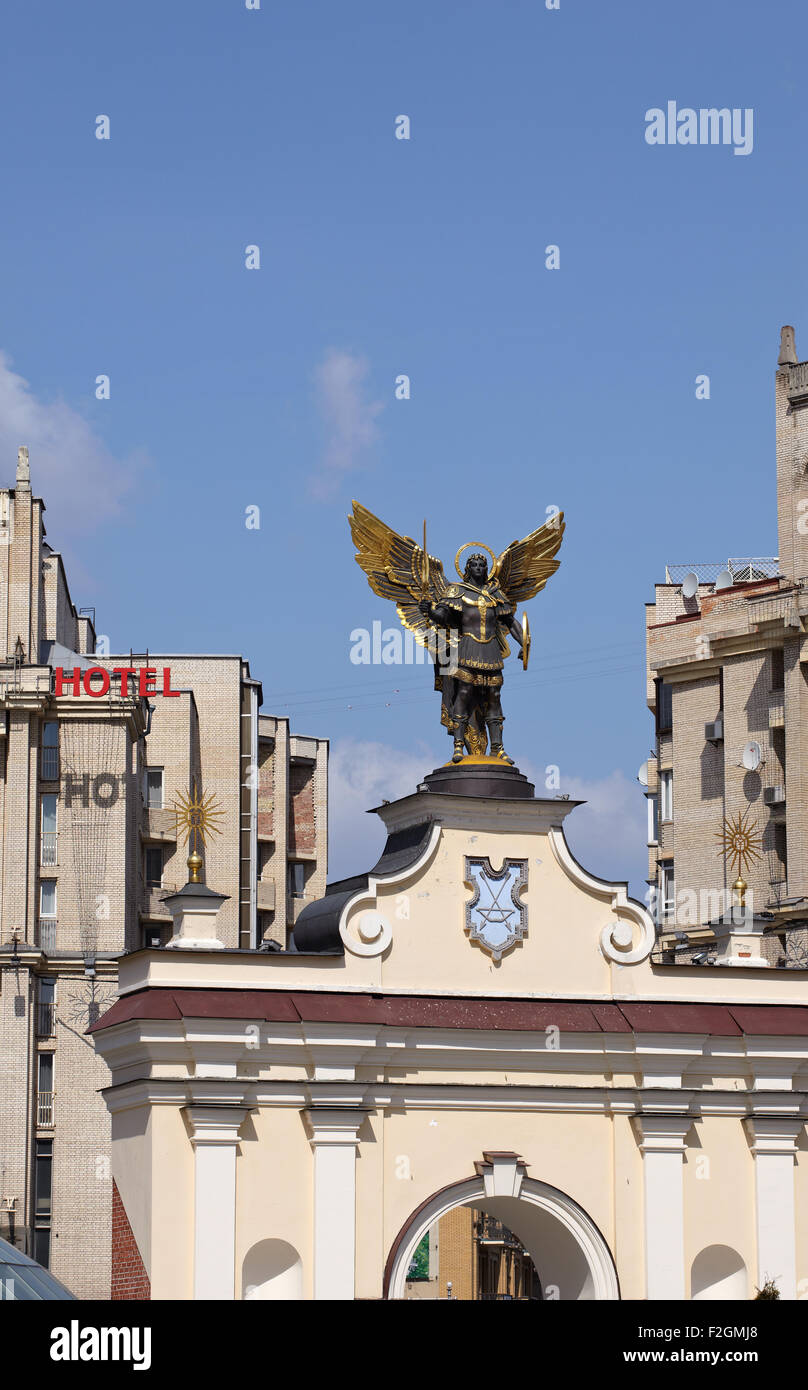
pixel 662 1133
pixel 332 1125
pixel 216 1124
pixel 773 1134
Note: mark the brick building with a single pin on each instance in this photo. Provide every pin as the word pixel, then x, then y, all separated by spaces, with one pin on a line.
pixel 89 849
pixel 726 667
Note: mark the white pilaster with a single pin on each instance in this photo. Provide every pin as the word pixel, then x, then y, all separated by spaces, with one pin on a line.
pixel 215 1139
pixel 774 1144
pixel 662 1142
pixel 334 1138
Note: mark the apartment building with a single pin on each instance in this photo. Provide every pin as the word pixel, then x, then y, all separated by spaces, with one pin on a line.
pixel 90 773
pixel 727 655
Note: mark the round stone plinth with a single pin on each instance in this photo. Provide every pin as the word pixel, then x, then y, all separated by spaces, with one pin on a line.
pixel 479 776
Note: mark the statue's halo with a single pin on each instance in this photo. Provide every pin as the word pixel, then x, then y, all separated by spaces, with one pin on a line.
pixel 476 545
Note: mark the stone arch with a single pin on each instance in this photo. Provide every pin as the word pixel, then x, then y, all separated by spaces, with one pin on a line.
pixel 566 1247
pixel 719 1273
pixel 272 1270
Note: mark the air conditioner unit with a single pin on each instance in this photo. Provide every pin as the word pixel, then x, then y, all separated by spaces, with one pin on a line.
pixel 774 796
pixel 714 732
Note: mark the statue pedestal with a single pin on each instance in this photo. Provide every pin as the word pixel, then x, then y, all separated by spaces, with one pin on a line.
pixel 479 775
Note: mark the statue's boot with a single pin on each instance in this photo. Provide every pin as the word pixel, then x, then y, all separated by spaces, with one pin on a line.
pixel 495 735
pixel 460 741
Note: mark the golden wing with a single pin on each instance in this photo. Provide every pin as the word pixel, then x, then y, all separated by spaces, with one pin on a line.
pixel 395 567
pixel 525 566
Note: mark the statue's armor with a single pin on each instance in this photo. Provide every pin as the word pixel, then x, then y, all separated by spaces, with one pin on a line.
pixel 477 615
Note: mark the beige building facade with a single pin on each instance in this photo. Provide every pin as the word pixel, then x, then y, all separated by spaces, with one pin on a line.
pixel 475 1023
pixel 727 656
pixel 89 850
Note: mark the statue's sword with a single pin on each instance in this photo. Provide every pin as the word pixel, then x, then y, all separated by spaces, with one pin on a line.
pixel 525 652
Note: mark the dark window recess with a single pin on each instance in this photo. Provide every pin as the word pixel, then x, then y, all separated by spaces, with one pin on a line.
pixel 154 865
pixel 42 1237
pixel 50 752
pixel 43 1177
pixel 297 879
pixel 721 690
pixel 664 707
pixel 152 937
pixel 778 669
pixel 781 845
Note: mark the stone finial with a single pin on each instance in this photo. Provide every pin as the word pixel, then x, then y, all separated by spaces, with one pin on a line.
pixel 23 469
pixel 788 348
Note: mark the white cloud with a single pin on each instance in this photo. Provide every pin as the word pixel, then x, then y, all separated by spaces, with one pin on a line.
pixel 348 417
pixel 361 775
pixel 607 835
pixel 82 482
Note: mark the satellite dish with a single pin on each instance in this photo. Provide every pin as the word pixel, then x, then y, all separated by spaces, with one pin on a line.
pixel 642 775
pixel 751 756
pixel 724 580
pixel 690 585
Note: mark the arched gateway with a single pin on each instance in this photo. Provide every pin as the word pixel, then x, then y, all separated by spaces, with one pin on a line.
pixel 571 1257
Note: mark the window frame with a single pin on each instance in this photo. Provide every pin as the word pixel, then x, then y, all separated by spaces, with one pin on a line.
pixel 665 806
pixel 147 801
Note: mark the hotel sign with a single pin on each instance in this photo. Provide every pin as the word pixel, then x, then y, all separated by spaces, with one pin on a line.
pixel 95 681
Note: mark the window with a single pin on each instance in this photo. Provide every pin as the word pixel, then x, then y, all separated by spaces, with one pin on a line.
pixel 49 769
pixel 44 1109
pixel 154 865
pixel 653 817
pixel 297 879
pixel 664 707
pixel 153 788
pixel 42 1177
pixel 43 1187
pixel 667 891
pixel 778 669
pixel 152 937
pixel 48 817
pixel 666 796
pixel 47 897
pixel 46 1000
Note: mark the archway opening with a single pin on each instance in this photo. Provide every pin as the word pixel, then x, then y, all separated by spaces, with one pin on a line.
pixel 539 1246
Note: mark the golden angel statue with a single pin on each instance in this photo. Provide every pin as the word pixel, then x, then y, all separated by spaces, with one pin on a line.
pixel 462 625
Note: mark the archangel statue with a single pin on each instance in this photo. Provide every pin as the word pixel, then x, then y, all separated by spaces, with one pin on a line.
pixel 462 625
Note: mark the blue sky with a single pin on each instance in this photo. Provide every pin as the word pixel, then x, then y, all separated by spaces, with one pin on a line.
pixel 275 387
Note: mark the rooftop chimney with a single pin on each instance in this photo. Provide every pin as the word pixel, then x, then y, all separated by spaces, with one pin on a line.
pixel 788 348
pixel 23 469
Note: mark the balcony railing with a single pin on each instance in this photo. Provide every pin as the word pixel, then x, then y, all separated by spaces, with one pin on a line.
pixel 45 1016
pixel 44 1109
pixel 49 767
pixel 46 933
pixel 49 848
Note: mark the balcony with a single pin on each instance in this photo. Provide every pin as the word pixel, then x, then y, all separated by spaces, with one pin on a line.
pixel 45 1019
pixel 49 765
pixel 489 1231
pixel 266 896
pixel 153 905
pixel 46 933
pixel 48 849
pixel 44 1109
pixel 160 825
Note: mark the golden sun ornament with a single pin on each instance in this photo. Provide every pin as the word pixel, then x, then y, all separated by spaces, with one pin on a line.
pixel 196 816
pixel 740 843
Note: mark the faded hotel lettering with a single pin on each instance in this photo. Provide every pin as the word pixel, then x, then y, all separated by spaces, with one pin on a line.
pixel 77 682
